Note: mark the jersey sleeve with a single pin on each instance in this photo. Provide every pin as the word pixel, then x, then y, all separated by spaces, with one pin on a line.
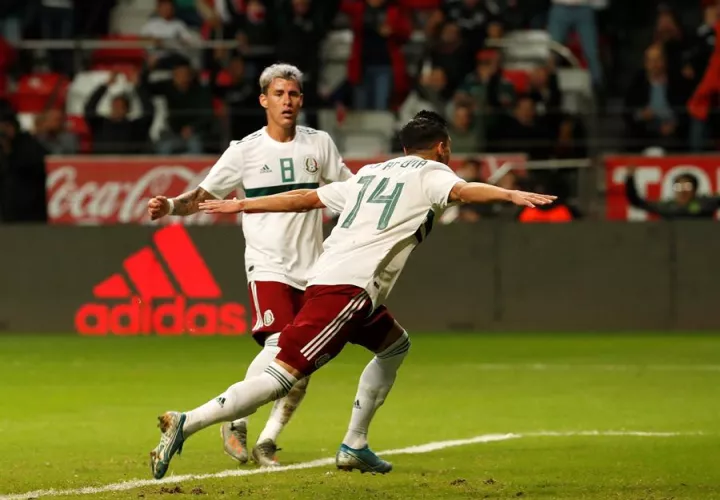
pixel 226 174
pixel 437 182
pixel 334 195
pixel 334 168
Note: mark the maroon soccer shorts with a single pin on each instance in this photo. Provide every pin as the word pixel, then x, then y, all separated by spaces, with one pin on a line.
pixel 274 306
pixel 332 316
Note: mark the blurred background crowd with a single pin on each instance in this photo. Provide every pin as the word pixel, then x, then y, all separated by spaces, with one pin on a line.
pixel 555 80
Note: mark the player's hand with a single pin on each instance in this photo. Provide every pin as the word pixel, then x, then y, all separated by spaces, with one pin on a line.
pixel 233 206
pixel 158 207
pixel 525 199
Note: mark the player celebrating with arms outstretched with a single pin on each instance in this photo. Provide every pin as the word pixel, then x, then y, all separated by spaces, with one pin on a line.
pixel 280 248
pixel 387 209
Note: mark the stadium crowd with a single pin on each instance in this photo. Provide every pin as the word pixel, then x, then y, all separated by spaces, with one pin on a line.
pixel 458 71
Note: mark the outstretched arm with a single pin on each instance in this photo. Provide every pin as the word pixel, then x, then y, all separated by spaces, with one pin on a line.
pixel 478 192
pixel 300 200
pixel 183 205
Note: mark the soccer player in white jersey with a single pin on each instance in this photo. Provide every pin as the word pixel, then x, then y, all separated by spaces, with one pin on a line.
pixel 387 209
pixel 280 248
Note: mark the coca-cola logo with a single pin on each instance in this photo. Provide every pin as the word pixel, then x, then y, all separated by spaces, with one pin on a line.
pixel 99 201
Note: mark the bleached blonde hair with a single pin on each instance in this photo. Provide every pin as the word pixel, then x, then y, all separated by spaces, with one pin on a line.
pixel 280 70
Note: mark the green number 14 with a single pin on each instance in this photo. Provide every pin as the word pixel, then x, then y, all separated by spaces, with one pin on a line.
pixel 389 200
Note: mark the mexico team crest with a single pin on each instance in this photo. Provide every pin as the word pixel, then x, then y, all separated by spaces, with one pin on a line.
pixel 311 165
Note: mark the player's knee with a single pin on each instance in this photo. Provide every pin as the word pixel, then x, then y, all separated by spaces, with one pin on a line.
pixel 301 385
pixel 396 350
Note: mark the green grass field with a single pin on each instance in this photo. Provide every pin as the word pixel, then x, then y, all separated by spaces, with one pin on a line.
pixel 77 412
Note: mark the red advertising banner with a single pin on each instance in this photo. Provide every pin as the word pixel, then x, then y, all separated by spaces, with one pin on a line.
pixel 91 190
pixel 654 180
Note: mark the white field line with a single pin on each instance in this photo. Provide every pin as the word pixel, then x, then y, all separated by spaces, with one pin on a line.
pixel 609 368
pixel 423 448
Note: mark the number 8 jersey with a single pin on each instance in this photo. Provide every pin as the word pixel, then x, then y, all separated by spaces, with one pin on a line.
pixel 387 209
pixel 279 247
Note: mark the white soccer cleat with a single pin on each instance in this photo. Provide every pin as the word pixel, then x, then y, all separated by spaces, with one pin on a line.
pixel 235 441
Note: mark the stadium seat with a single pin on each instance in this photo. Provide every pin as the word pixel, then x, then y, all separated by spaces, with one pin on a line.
pixel 362 133
pixel 126 57
pixel 519 78
pixel 79 126
pixel 35 91
pixel 527 45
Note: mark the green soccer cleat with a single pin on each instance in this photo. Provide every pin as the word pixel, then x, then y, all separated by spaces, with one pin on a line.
pixel 171 442
pixel 364 460
pixel 235 441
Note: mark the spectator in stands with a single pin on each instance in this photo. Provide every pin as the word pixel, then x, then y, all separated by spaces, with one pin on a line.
pixel 451 54
pixel 12 16
pixel 92 17
pixel 473 16
pixel 558 212
pixel 196 12
pixel 301 27
pixel 703 106
pixel 495 33
pixel 171 35
pixel 579 14
pixel 686 204
pixel 377 66
pixel 545 91
pixel 253 28
pixel 464 131
pixel 669 34
pixel 190 112
pixel 704 44
pixel 429 93
pixel 51 131
pixel 57 22
pixel 22 174
pixel 486 91
pixel 655 105
pixel 117 133
pixel 240 97
pixel 522 131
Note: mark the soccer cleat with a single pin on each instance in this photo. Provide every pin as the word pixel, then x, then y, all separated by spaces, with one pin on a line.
pixel 235 441
pixel 364 460
pixel 263 454
pixel 171 442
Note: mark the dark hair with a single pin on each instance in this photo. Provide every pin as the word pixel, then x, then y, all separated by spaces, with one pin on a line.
pixel 693 180
pixel 424 131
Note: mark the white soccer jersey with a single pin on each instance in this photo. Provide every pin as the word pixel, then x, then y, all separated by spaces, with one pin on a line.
pixel 387 210
pixel 278 246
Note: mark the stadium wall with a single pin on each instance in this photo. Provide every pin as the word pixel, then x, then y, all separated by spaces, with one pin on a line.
pixel 588 276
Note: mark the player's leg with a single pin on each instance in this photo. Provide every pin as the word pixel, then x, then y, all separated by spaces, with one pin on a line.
pixel 264 451
pixel 328 320
pixel 273 308
pixel 390 343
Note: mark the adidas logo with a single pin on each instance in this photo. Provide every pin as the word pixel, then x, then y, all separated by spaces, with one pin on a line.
pixel 153 303
pixel 265 170
pixel 356 405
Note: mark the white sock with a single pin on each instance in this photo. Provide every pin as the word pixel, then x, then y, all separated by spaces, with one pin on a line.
pixel 263 359
pixel 283 410
pixel 375 383
pixel 241 399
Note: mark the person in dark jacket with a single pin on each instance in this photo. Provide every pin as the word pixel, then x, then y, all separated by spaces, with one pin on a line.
pixel 240 97
pixel 117 133
pixel 22 174
pixel 655 111
pixel 300 27
pixel 686 204
pixel 190 112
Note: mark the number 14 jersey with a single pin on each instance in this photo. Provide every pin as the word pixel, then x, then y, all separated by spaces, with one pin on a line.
pixel 387 209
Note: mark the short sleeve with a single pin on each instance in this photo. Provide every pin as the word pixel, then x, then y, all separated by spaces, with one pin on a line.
pixel 437 182
pixel 335 195
pixel 334 168
pixel 226 175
